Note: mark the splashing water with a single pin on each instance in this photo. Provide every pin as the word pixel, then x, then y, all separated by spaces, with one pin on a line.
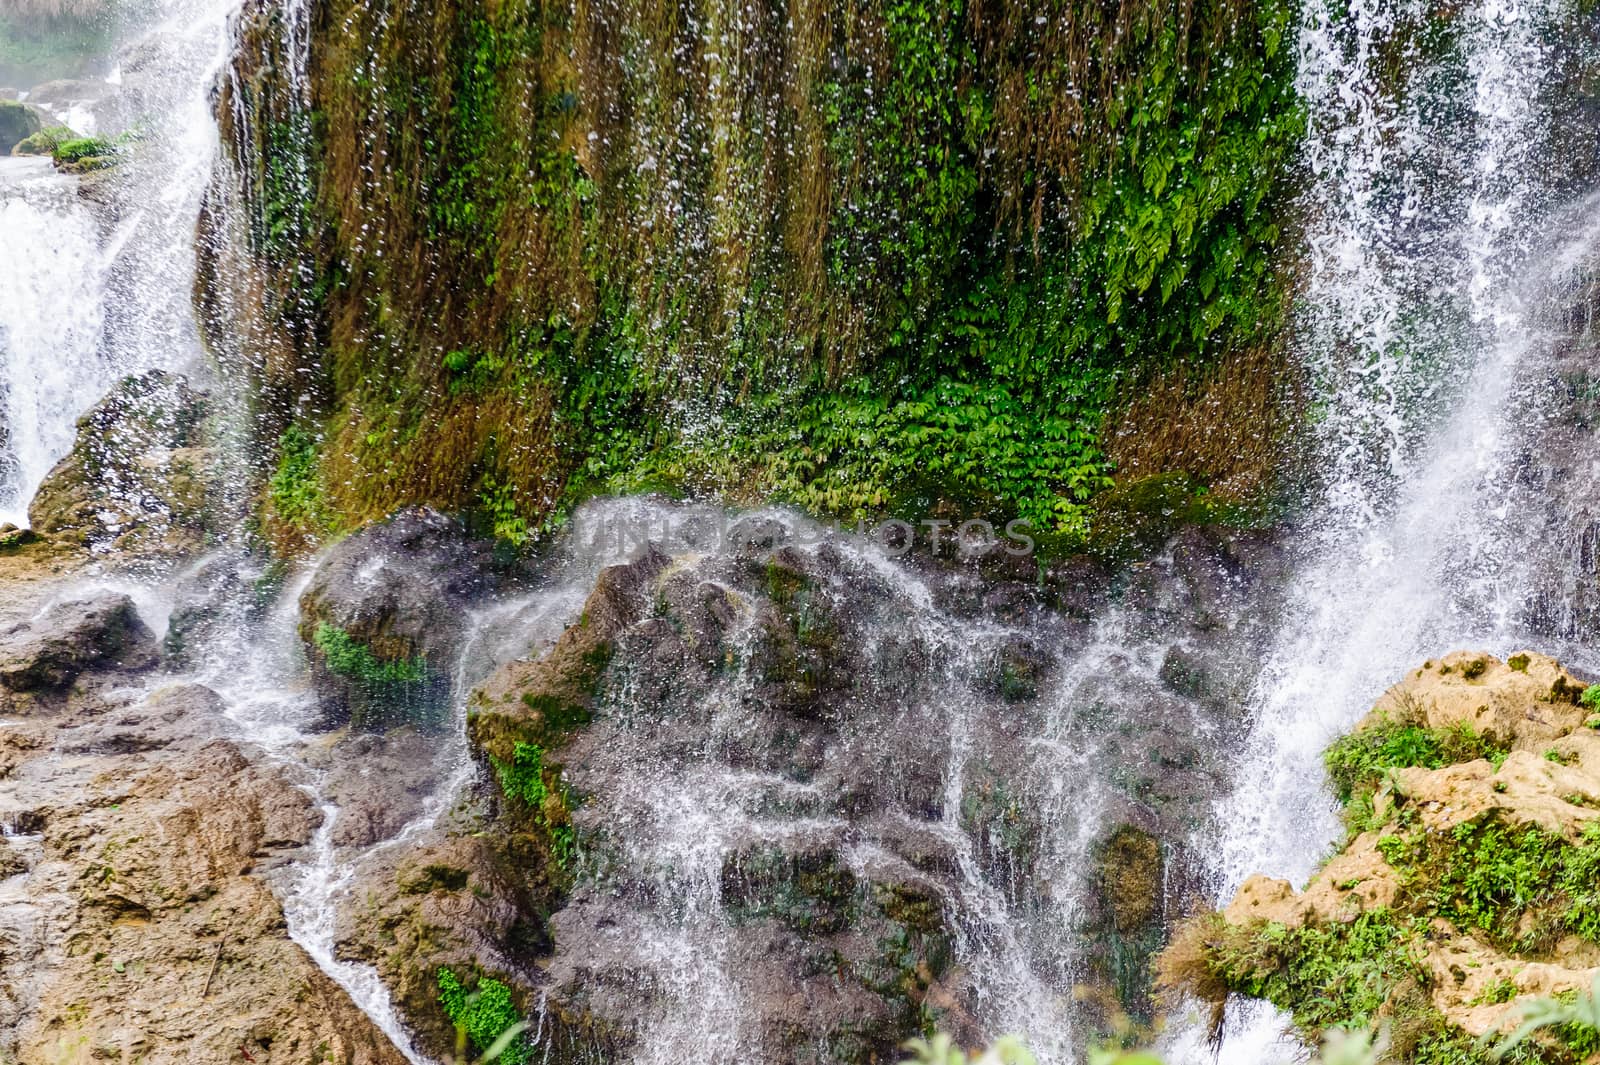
pixel 89 294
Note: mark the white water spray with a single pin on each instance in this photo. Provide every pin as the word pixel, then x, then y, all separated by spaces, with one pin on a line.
pixel 52 279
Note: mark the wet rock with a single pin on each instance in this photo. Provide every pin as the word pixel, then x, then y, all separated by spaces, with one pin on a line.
pixel 12 860
pixel 62 96
pixel 448 903
pixel 214 600
pixel 539 701
pixel 769 740
pixel 382 619
pixel 139 478
pixel 378 782
pixel 49 652
pixel 149 932
pixel 1417 835
pixel 178 714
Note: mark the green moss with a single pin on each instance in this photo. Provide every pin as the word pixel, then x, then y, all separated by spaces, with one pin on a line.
pixel 483 1014
pixel 527 779
pixel 348 657
pixel 1518 663
pixel 1522 887
pixel 44 142
pixel 888 271
pixel 80 149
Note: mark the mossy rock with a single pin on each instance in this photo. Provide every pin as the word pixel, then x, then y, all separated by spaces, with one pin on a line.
pixel 1134 520
pixel 541 703
pixel 18 122
pixel 1131 865
pixel 44 142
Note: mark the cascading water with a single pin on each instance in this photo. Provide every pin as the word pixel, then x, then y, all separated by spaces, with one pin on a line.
pixel 1403 561
pixel 91 290
pixel 52 282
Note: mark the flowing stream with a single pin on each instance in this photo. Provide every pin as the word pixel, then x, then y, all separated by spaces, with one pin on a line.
pixel 52 307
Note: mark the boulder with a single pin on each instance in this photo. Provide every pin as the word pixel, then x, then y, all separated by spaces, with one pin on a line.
pixel 18 121
pixel 139 478
pixel 385 614
pixel 214 599
pixel 49 652
pixel 44 142
pixel 179 950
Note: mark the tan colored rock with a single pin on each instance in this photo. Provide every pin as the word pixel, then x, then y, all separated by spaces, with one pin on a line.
pixel 140 927
pixel 1550 780
pixel 1528 789
pixel 1520 708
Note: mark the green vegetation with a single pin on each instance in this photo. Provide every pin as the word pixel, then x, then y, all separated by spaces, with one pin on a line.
pixel 1524 888
pixel 485 1018
pixel 349 657
pixel 1358 763
pixel 1590 697
pixel 295 489
pixel 527 779
pixel 44 142
pixel 81 149
pixel 1516 887
pixel 896 273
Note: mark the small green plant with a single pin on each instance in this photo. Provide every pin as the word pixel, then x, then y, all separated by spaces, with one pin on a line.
pixel 80 149
pixel 348 657
pixel 1357 763
pixel 485 1019
pixel 295 489
pixel 499 502
pixel 1591 697
pixel 1501 991
pixel 523 778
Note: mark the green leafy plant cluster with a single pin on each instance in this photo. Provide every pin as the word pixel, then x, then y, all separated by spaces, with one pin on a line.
pixel 1357 763
pixel 80 148
pixel 524 779
pixel 295 488
pixel 898 308
pixel 1359 974
pixel 483 1016
pixel 349 657
pixel 1522 886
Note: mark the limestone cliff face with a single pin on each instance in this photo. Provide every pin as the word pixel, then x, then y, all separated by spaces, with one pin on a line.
pixel 494 254
pixel 1468 883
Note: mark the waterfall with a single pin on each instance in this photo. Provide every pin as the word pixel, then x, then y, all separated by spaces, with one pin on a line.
pixel 52 307
pixel 1430 258
pixel 92 289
